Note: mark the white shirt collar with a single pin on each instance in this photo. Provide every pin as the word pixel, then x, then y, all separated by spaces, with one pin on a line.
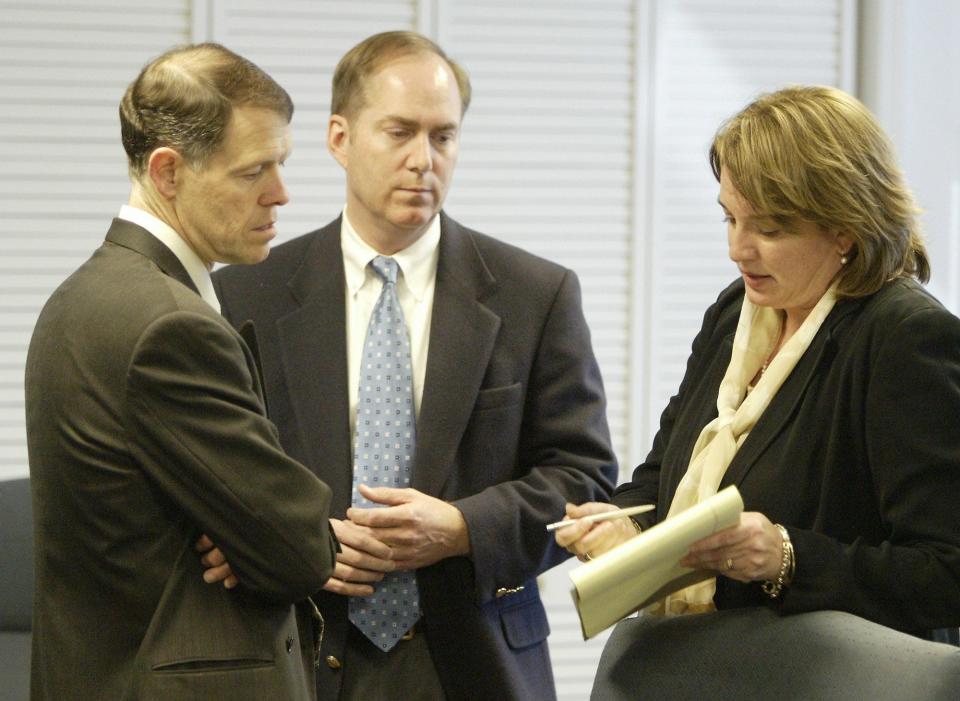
pixel 181 249
pixel 417 262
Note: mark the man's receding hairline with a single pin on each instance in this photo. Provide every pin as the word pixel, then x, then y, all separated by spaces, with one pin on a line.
pixel 188 65
pixel 395 56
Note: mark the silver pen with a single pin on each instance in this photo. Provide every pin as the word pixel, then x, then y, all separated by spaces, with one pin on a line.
pixel 603 516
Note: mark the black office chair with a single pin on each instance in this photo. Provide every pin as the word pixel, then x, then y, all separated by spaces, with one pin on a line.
pixel 754 653
pixel 16 588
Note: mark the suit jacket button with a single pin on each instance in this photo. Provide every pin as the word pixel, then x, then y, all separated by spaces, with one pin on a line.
pixel 289 645
pixel 333 662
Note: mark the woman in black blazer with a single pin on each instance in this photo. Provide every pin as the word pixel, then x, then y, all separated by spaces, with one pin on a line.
pixel 824 384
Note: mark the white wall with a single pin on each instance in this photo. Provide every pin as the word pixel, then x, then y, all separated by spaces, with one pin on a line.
pixel 910 78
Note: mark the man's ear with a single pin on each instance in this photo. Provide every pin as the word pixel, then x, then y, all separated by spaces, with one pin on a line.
pixel 162 168
pixel 338 138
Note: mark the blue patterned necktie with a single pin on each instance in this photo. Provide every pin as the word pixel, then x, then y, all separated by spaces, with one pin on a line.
pixel 383 451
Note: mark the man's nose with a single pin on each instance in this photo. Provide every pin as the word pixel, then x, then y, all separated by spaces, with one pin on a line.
pixel 420 158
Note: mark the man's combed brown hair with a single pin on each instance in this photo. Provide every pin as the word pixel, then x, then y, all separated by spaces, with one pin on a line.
pixel 183 99
pixel 372 54
pixel 817 154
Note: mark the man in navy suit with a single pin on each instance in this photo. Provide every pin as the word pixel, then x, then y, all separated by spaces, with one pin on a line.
pixel 510 409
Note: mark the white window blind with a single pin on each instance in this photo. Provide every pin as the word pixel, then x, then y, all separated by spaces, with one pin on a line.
pixel 63 68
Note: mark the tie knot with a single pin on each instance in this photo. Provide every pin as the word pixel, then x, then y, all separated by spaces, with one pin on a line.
pixel 386 268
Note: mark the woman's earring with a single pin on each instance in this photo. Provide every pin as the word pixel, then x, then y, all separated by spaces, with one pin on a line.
pixel 843 259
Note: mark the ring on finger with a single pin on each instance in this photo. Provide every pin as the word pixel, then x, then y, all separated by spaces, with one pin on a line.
pixel 729 564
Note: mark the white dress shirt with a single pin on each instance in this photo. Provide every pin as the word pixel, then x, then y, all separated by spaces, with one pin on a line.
pixel 416 281
pixel 181 249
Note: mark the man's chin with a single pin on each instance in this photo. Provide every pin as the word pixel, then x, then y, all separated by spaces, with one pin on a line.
pixel 249 257
pixel 412 220
pixel 260 256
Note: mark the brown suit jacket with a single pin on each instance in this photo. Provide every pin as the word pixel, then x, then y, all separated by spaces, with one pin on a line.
pixel 511 426
pixel 145 428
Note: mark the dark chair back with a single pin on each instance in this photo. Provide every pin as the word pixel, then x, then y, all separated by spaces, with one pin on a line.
pixel 16 588
pixel 754 653
pixel 16 555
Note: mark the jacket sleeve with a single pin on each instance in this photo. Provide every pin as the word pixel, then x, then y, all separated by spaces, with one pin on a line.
pixel 911 441
pixel 202 437
pixel 564 454
pixel 645 486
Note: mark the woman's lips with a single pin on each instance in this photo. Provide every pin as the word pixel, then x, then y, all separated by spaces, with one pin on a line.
pixel 754 279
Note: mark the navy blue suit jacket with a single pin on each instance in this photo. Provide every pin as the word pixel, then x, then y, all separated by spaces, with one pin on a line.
pixel 512 425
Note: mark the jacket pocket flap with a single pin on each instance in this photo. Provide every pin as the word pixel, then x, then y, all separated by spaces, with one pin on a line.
pixel 494 397
pixel 213 664
pixel 525 624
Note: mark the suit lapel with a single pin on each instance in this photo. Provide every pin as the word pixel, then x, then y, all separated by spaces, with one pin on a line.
pixel 699 410
pixel 249 335
pixel 136 238
pixel 782 406
pixel 462 336
pixel 314 336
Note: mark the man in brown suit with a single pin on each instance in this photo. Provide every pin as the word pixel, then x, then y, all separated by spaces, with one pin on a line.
pixel 146 426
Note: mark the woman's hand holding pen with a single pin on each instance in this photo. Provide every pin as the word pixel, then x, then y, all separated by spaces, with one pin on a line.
pixel 587 540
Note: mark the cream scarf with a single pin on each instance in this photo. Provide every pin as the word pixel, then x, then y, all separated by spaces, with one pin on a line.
pixel 758 331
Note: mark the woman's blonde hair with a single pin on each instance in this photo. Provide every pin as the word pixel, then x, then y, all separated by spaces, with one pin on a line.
pixel 816 153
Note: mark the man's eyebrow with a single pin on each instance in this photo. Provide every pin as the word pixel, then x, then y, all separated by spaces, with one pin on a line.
pixel 262 163
pixel 396 119
pixel 414 124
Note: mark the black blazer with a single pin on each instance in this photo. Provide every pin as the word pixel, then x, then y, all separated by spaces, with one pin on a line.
pixel 511 426
pixel 145 428
pixel 858 455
